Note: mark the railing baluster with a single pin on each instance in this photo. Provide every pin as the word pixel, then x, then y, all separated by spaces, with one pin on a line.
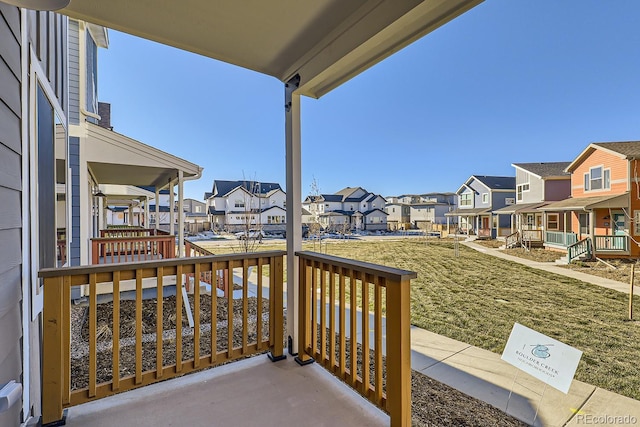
pixel 343 328
pixel 230 316
pixel 304 312
pixel 159 321
pixel 314 308
pixel 138 326
pixel 93 320
pixel 353 344
pixel 259 305
pixel 245 304
pixel 116 332
pixel 323 312
pixel 365 334
pixel 179 278
pixel 196 316
pixel 66 337
pixel 377 330
pixel 332 318
pixel 214 315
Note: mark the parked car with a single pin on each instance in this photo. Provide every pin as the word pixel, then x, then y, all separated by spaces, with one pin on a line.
pixel 305 232
pixel 251 234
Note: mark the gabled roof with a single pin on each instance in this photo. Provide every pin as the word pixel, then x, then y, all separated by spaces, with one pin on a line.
pixel 497 182
pixel 347 191
pixel 546 169
pixel 490 182
pixel 629 150
pixel 274 207
pixel 331 197
pixel 221 187
pixel 369 212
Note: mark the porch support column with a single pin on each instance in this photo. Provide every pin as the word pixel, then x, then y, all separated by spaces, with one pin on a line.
pixel 130 222
pixel 157 208
pixel 294 206
pixel 146 212
pixel 180 214
pixel 172 210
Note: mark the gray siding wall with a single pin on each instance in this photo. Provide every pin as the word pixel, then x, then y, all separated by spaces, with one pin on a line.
pixel 74 164
pixel 535 187
pixel 10 204
pixel 74 73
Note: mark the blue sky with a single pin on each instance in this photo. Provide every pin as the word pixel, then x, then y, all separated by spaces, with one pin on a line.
pixel 510 81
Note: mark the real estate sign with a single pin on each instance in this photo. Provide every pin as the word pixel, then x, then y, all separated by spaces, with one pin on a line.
pixel 547 359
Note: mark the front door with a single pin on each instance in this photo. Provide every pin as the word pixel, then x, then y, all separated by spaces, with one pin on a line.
pixel 618 224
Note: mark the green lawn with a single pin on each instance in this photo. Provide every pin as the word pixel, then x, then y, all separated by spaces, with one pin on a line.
pixel 476 298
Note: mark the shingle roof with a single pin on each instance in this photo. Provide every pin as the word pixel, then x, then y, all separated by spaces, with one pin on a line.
pixel 628 148
pixel 222 188
pixel 331 197
pixel 153 189
pixel 373 210
pixel 213 211
pixel 498 182
pixel 546 169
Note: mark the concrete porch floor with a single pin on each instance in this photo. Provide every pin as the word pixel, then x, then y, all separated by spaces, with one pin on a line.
pixel 249 392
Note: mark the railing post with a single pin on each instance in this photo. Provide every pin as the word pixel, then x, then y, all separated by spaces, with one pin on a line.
pixel 399 352
pixel 52 369
pixel 304 314
pixel 276 283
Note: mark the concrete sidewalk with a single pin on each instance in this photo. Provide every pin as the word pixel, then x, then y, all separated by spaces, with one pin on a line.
pixel 484 375
pixel 553 268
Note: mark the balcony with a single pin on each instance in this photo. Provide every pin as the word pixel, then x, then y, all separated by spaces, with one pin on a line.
pixel 339 301
pixel 611 244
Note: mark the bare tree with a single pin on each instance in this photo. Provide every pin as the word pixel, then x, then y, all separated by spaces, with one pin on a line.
pixel 315 228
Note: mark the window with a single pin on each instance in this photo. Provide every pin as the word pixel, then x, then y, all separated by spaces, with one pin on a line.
pixel 584 223
pixel 509 201
pixel 636 222
pixel 598 178
pixel 198 209
pixel 239 204
pixel 521 188
pixel 485 197
pixel 552 221
pixel 466 199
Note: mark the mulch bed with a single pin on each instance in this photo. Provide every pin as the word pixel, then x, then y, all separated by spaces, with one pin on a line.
pixel 433 403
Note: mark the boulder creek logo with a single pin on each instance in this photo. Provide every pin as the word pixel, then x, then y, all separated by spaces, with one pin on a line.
pixel 541 350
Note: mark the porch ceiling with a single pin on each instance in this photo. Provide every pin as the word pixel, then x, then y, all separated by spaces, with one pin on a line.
pixel 468 212
pixel 116 159
pixel 588 203
pixel 326 42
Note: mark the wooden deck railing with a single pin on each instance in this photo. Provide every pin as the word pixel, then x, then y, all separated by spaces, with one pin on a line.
pixel 560 238
pixel 99 348
pixel 532 235
pixel 582 247
pixel 512 240
pixel 109 250
pixel 341 300
pixel 221 276
pixel 611 243
pixel 484 232
pixel 131 232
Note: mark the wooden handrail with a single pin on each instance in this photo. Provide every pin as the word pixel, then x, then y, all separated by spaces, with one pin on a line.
pixel 581 247
pixel 134 248
pixel 57 361
pixel 512 239
pixel 326 283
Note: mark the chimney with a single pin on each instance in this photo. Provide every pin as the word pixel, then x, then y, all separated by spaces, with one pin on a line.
pixel 104 111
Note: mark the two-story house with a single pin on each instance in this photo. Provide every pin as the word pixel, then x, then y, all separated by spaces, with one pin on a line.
pixel 232 205
pixel 429 209
pixel 352 207
pixel 398 216
pixel 537 184
pixel 478 197
pixel 602 216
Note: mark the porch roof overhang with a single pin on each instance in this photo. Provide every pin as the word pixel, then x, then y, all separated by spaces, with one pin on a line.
pixel 124 195
pixel 117 159
pixel 325 42
pixel 468 212
pixel 589 203
pixel 519 208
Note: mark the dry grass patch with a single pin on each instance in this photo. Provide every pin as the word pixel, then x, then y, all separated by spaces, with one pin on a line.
pixel 476 298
